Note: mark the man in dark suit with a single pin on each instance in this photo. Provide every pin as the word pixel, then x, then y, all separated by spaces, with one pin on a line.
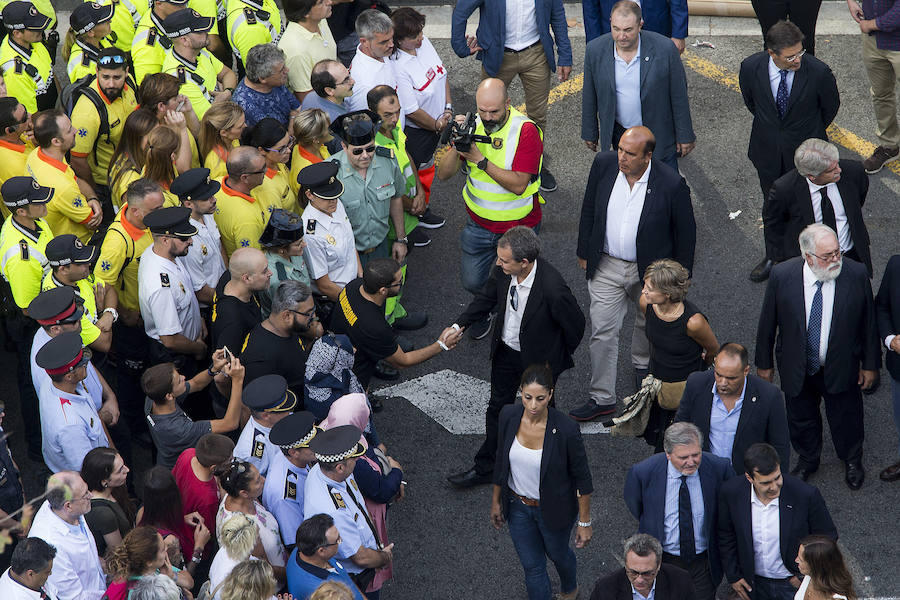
pixel 665 17
pixel 650 217
pixel 821 308
pixel 734 409
pixel 631 78
pixel 792 98
pixel 674 497
pixel 644 572
pixel 803 13
pixel 539 321
pixel 821 189
pixel 887 309
pixel 760 530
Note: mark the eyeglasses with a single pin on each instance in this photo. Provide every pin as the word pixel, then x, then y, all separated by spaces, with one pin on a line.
pixel 334 543
pixel 795 57
pixel 310 314
pixel 288 146
pixel 367 150
pixel 255 173
pixel 345 81
pixel 830 257
pixel 112 59
pixel 632 574
pixel 397 284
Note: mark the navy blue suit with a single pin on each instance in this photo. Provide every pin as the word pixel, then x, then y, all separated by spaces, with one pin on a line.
pixel 665 17
pixel 491 31
pixel 645 496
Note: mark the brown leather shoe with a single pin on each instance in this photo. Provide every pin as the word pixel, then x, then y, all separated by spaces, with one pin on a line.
pixel 573 595
pixel 892 473
pixel 879 158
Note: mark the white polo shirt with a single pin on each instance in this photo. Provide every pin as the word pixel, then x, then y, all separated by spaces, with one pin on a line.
pixel 204 260
pixel 13 590
pixel 421 80
pixel 166 295
pixel 330 246
pixel 368 72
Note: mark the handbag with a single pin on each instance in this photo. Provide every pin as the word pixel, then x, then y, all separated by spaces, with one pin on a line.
pixel 670 393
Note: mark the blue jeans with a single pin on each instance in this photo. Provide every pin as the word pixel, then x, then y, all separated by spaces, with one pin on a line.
pixel 772 589
pixel 895 397
pixel 534 543
pixel 479 253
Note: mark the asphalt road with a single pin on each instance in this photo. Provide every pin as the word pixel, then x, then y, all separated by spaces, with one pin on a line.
pixel 445 547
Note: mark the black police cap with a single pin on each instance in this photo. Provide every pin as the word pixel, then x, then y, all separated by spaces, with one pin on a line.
pixel 88 15
pixel 294 431
pixel 63 353
pixel 22 190
pixel 54 306
pixel 321 179
pixel 337 444
pixel 269 393
pixel 171 220
pixel 195 184
pixel 284 227
pixel 356 128
pixel 185 21
pixel 67 249
pixel 24 15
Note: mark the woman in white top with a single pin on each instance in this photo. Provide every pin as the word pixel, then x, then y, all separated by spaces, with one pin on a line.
pixel 238 537
pixel 243 485
pixel 826 576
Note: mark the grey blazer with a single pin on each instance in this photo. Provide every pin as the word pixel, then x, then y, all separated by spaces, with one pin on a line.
pixel 664 98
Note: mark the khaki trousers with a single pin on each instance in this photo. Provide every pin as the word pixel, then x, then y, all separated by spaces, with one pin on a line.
pixel 531 66
pixel 883 69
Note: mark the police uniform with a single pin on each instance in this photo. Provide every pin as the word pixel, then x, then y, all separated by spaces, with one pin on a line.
pixel 27 72
pixel 275 190
pixel 330 246
pixel 283 491
pixel 198 79
pixel 68 211
pixel 150 43
pixel 241 219
pixel 268 393
pixel 284 227
pixel 12 163
pixel 65 250
pixel 250 23
pixel 165 289
pixel 23 259
pixel 341 500
pixel 126 16
pixel 70 423
pixel 83 56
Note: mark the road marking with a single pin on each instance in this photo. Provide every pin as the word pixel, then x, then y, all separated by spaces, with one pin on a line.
pixel 455 401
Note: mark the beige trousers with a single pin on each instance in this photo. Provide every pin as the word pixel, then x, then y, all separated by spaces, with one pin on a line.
pixel 531 66
pixel 883 69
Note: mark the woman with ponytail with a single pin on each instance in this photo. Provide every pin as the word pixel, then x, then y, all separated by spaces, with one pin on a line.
pixel 143 552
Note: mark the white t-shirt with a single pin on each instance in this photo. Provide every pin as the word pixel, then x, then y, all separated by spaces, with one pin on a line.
pixel 368 72
pixel 421 80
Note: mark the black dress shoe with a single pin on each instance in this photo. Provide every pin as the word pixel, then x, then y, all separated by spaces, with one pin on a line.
pixel 804 472
pixel 470 478
pixel 761 271
pixel 854 475
pixel 385 371
pixel 590 410
pixel 891 473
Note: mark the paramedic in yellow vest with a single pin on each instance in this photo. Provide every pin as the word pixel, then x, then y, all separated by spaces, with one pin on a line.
pixel 203 77
pixel 15 126
pixel 148 48
pixel 90 22
pixel 251 23
pixel 126 16
pixel 502 184
pixel 23 245
pixel 240 217
pixel 25 63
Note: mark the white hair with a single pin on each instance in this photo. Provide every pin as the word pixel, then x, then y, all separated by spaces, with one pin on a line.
pixel 814 156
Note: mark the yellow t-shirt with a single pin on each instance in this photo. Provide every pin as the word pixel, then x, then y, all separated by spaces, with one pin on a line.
pixel 121 184
pixel 300 158
pixel 302 50
pixel 84 289
pixel 275 192
pixel 12 164
pixel 87 125
pixel 240 219
pixel 197 79
pixel 215 161
pixel 15 62
pixel 68 211
pixel 118 261
pixel 23 258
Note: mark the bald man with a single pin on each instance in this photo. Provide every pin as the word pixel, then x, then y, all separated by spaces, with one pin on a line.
pixel 236 309
pixel 615 252
pixel 497 198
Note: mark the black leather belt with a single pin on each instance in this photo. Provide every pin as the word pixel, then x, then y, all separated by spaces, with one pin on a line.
pixel 537 43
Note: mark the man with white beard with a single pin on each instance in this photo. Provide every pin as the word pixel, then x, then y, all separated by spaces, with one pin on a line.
pixel 820 306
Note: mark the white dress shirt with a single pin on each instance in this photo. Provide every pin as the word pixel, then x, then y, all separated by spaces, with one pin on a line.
pixel 166 294
pixel 840 215
pixel 521 24
pixel 628 89
pixel 204 258
pixel 623 214
pixel 775 79
pixel 512 320
pixel 809 290
pixel 766 528
pixel 13 590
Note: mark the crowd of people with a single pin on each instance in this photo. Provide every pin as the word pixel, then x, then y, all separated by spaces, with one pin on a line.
pixel 204 253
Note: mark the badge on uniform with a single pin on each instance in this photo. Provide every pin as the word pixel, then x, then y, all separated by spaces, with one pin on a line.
pixel 336 498
pixel 353 483
pixel 311 226
pixel 164 279
pixel 497 143
pixel 290 490
pixel 23 249
pixel 181 285
pixel 330 239
pixel 258 448
pixel 203 249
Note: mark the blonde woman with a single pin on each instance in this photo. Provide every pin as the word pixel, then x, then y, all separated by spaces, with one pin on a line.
pixel 251 580
pixel 220 130
pixel 310 129
pixel 332 590
pixel 238 539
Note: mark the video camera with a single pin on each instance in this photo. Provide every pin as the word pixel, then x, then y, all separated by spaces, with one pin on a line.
pixel 463 135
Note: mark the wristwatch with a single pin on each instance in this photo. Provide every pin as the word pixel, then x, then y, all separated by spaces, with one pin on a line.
pixel 482 164
pixel 449 107
pixel 113 312
pixel 403 240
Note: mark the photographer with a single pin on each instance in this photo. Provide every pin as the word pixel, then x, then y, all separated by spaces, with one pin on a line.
pixel 515 141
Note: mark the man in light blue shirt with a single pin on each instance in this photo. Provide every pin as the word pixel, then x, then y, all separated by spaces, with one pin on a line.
pixel 628 88
pixel 331 86
pixel 728 397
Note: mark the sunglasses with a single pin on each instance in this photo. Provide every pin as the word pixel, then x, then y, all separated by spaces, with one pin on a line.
pixel 113 59
pixel 367 150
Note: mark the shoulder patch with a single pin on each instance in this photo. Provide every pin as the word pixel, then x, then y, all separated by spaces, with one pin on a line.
pixel 23 248
pixel 290 489
pixel 105 265
pixel 151 36
pixel 250 14
pixel 336 498
pixel 311 226
pixel 385 152
pixel 164 279
pixel 245 243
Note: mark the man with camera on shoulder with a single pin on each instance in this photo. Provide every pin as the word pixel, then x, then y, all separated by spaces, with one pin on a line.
pixel 502 181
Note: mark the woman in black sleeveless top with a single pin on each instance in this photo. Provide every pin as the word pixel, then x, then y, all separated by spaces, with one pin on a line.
pixel 681 340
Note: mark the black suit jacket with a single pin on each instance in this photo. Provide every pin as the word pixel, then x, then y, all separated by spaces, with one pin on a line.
pixel 763 418
pixel 553 323
pixel 564 465
pixel 666 228
pixel 812 106
pixel 853 340
pixel 788 210
pixel 887 309
pixel 672 583
pixel 801 512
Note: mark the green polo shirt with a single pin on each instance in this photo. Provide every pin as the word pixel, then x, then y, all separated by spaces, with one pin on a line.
pixel 368 202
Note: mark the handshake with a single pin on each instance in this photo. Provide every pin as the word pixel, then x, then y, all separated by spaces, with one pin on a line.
pixel 450 337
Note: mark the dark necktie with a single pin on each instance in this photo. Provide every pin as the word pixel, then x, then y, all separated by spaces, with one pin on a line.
pixel 686 523
pixel 828 217
pixel 781 98
pixel 514 298
pixel 814 331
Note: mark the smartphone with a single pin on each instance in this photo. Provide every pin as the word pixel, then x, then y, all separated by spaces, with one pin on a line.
pixel 180 106
pixel 228 354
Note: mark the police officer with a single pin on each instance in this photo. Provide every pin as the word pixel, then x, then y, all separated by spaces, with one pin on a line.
pixel 283 490
pixel 126 16
pixel 269 401
pixel 251 23
pixel 70 423
pixel 91 23
pixel 25 64
pixel 23 243
pixel 71 262
pixel 282 241
pixel 148 48
pixel 166 292
pixel 331 489
pixel 15 123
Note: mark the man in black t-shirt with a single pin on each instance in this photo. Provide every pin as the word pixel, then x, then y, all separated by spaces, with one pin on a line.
pixel 360 315
pixel 235 306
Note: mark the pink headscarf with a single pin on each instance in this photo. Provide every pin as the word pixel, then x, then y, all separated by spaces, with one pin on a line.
pixel 352 409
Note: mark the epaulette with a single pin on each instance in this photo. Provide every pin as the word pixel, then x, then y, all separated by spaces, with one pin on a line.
pixel 151 37
pixel 23 247
pixel 311 226
pixel 20 65
pixel 336 498
pixel 164 279
pixel 385 152
pixel 250 15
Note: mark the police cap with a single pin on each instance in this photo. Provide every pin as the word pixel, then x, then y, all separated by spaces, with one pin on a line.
pixel 321 179
pixel 55 306
pixel 337 444
pixel 88 15
pixel 356 128
pixel 24 190
pixel 63 354
pixel 269 393
pixel 284 227
pixel 185 21
pixel 195 184
pixel 67 249
pixel 294 431
pixel 24 15
pixel 171 220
